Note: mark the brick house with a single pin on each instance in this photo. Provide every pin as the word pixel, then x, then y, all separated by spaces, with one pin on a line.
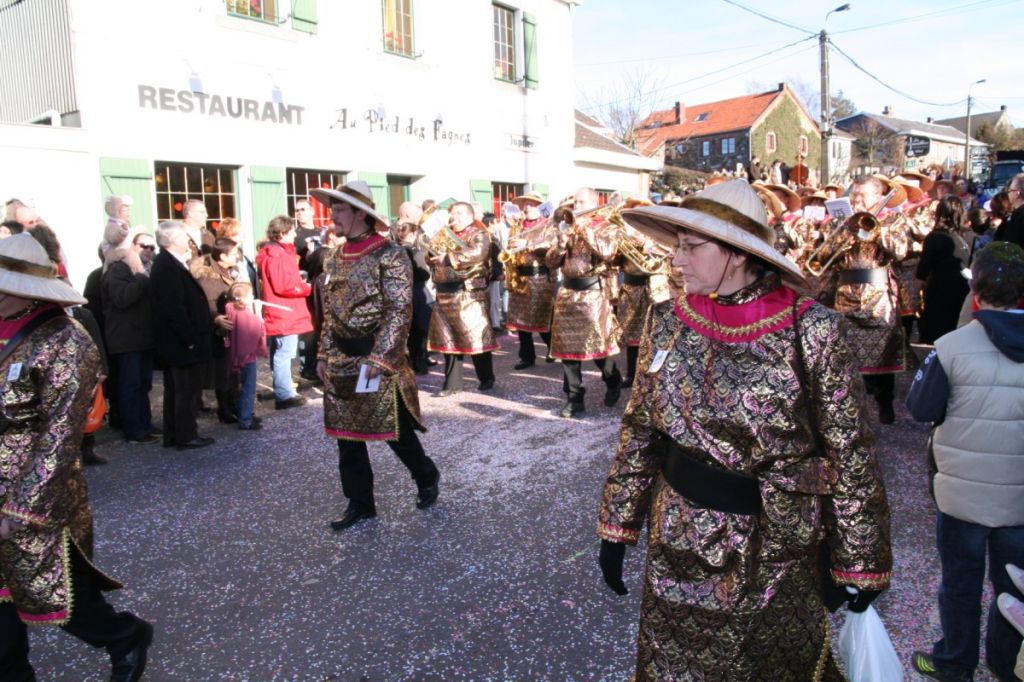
pixel 719 135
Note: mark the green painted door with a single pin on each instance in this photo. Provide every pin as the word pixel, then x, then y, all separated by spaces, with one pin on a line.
pixel 132 177
pixel 268 197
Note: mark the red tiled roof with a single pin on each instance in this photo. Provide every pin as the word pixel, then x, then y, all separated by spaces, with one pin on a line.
pixel 737 113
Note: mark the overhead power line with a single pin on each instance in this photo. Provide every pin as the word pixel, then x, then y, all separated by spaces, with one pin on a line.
pixel 676 56
pixel 769 18
pixel 889 87
pixel 920 17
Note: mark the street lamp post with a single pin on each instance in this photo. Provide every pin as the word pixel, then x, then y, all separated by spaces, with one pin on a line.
pixel 826 99
pixel 967 132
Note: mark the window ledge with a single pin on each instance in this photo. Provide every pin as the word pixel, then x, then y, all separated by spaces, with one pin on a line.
pixel 258 27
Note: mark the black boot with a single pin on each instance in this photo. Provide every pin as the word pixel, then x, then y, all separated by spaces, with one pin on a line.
pixel 89 456
pixel 226 407
pixel 574 405
pixel 614 387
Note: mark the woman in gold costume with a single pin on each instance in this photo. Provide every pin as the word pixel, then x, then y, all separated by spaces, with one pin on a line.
pixel 746 449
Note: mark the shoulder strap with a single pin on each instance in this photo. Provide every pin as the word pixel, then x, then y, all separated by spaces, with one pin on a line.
pixel 805 385
pixel 33 324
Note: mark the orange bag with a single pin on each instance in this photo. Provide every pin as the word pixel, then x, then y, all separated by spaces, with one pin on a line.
pixel 94 420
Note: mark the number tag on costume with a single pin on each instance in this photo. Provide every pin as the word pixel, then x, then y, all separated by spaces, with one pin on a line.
pixel 658 361
pixel 14 372
pixel 366 385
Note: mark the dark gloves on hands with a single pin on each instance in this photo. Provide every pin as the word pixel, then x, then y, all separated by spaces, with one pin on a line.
pixel 858 603
pixel 610 560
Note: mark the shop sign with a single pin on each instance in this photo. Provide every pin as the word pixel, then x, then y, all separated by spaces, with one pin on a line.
pixel 522 142
pixel 918 146
pixel 204 104
pixel 376 122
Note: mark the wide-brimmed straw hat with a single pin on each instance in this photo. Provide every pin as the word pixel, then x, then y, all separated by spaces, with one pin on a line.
pixel 356 194
pixel 790 198
pixel 528 198
pixel 730 212
pixel 900 195
pixel 838 188
pixel 26 271
pixel 778 209
pixel 819 195
pixel 923 181
pixel 670 199
pixel 914 193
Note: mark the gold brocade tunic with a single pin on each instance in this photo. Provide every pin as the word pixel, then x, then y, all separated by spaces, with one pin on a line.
pixel 531 297
pixel 874 333
pixel 46 391
pixel 635 299
pixel 460 323
pixel 367 295
pixel 919 225
pixel 732 597
pixel 584 325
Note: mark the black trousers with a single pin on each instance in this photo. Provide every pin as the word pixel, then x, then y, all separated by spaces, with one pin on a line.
pixel 482 362
pixel 183 389
pixel 417 346
pixel 573 370
pixel 882 386
pixel 93 621
pixel 527 353
pixel 354 462
pixel 310 346
pixel 632 353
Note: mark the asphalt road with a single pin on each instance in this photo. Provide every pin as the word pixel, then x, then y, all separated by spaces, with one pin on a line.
pixel 227 550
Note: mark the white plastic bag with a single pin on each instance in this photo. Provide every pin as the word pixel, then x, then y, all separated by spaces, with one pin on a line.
pixel 867 651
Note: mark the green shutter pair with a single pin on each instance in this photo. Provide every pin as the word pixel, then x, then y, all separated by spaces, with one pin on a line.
pixel 134 178
pixel 304 15
pixel 530 51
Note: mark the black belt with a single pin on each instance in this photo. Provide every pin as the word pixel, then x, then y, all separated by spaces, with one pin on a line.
pixel 708 486
pixel 635 280
pixel 449 287
pixel 360 346
pixel 864 276
pixel 531 270
pixel 581 283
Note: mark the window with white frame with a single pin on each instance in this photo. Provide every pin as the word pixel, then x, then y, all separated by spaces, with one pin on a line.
pixel 803 145
pixel 398 36
pixel 504 191
pixel 504 43
pixel 263 10
pixel 728 145
pixel 705 148
pixel 302 180
pixel 770 143
pixel 176 183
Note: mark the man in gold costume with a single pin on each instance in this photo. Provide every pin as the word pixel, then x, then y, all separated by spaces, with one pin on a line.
pixel 584 325
pixel 368 293
pixel 48 372
pixel 745 452
pixel 460 324
pixel 919 213
pixel 531 285
pixel 867 288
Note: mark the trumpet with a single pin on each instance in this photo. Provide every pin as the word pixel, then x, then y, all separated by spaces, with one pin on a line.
pixel 866 226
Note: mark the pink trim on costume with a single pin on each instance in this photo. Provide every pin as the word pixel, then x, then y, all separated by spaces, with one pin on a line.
pixel 580 356
pixel 744 316
pixel 632 342
pixel 24 515
pixel 5 594
pixel 892 369
pixel 43 618
pixel 457 351
pixel 352 435
pixel 609 532
pixel 517 328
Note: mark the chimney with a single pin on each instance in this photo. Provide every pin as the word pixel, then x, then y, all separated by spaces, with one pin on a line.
pixel 887 110
pixel 929 120
pixel 1002 107
pixel 679 113
pixel 782 86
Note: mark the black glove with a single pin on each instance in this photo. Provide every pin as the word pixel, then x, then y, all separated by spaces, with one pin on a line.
pixel 858 603
pixel 610 560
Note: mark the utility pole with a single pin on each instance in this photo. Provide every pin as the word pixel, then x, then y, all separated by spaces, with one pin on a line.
pixel 967 132
pixel 826 102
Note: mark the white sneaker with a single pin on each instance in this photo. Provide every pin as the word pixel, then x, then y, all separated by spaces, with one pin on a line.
pixel 1016 576
pixel 1012 610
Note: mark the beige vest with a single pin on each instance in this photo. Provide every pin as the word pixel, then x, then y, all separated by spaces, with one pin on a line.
pixel 979 449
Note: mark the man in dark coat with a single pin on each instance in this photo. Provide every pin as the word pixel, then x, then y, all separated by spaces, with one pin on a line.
pixel 182 326
pixel 1012 230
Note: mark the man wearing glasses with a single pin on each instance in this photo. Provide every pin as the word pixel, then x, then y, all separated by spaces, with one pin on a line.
pixel 145 245
pixel 1013 229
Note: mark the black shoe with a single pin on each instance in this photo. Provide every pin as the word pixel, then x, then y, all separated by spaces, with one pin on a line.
pixel 614 390
pixel 148 439
pixel 627 383
pixel 90 458
pixel 486 385
pixel 353 515
pixel 523 364
pixel 251 426
pixel 294 401
pixel 227 417
pixel 422 371
pixel 203 407
pixel 153 431
pixel 426 497
pixel 196 443
pixel 548 358
pixel 924 665
pixel 444 393
pixel 129 668
pixel 886 414
pixel 571 409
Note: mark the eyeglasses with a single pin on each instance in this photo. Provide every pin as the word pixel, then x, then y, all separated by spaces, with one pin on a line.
pixel 1012 189
pixel 686 248
pixel 148 247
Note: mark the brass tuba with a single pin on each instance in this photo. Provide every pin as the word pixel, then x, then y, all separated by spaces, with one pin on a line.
pixel 650 257
pixel 838 241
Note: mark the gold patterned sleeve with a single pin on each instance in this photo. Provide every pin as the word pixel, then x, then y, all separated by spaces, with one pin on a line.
pixel 396 310
pixel 893 239
pixel 856 514
pixel 603 242
pixel 326 345
pixel 65 369
pixel 555 255
pixel 627 491
pixel 477 251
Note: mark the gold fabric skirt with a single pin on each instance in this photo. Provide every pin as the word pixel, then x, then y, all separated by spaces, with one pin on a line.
pixel 873 328
pixel 530 311
pixel 584 325
pixel 367 416
pixel 460 324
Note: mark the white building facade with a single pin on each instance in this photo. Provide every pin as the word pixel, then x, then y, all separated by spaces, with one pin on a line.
pixel 247 104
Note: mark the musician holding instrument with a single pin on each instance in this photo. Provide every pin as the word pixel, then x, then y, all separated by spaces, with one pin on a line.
pixel 530 284
pixel 459 256
pixel 864 250
pixel 584 325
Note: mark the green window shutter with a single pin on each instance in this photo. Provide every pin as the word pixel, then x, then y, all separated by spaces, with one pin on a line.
pixel 482 192
pixel 268 197
pixel 541 189
pixel 304 15
pixel 530 51
pixel 133 177
pixel 378 183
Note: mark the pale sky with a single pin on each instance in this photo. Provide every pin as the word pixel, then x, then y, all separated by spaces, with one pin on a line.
pixel 934 58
